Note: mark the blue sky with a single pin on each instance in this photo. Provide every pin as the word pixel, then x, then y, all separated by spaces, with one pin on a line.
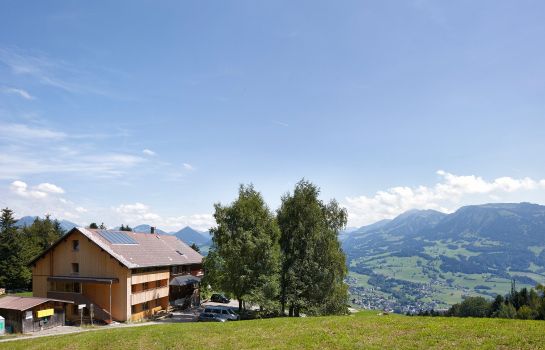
pixel 133 112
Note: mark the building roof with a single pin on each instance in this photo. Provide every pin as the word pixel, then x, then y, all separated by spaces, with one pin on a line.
pixel 138 250
pixel 12 302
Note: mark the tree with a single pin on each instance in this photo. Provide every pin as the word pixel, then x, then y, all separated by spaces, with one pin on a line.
pixel 244 258
pixel 8 249
pixel 93 225
pixel 195 247
pixel 474 307
pixel 505 311
pixel 125 228
pixel 313 263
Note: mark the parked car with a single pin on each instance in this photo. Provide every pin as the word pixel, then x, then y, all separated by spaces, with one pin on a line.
pixel 210 317
pixel 219 298
pixel 223 312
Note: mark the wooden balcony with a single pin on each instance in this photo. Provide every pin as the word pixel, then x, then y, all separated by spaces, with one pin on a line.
pixel 150 294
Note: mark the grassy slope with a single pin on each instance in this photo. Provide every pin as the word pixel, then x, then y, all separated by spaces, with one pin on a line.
pixel 364 330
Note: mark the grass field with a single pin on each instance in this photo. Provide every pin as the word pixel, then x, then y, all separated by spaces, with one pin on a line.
pixel 363 330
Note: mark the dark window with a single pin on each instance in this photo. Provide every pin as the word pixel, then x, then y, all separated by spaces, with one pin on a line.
pixel 75 245
pixel 75 268
pixel 145 286
pixel 145 306
pixel 134 309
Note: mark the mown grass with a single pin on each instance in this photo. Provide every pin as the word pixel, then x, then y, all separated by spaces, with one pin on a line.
pixel 363 330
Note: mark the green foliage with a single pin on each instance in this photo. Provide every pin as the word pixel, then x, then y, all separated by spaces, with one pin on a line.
pixel 19 245
pixel 313 263
pixel 522 304
pixel 245 257
pixel 474 307
pixel 93 225
pixel 505 311
pixel 125 228
pixel 195 247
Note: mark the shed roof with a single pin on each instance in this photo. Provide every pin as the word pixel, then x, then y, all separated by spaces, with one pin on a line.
pixel 12 302
pixel 184 280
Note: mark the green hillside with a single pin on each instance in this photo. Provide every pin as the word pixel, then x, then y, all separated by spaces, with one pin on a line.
pixel 426 259
pixel 363 330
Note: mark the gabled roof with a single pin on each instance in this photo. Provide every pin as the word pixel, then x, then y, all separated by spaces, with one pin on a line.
pixel 149 250
pixel 12 302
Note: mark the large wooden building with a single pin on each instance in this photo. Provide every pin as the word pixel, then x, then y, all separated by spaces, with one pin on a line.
pixel 126 276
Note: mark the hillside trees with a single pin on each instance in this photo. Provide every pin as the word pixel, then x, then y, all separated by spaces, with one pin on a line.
pixel 526 304
pixel 244 258
pixel 313 263
pixel 19 245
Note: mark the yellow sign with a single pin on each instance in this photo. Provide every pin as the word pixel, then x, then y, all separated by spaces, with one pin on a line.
pixel 46 312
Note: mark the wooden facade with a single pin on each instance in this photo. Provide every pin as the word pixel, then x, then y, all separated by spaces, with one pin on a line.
pixel 79 270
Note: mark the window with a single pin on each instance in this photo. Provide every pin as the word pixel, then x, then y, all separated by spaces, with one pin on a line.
pixel 145 306
pixel 134 309
pixel 145 286
pixel 75 245
pixel 75 268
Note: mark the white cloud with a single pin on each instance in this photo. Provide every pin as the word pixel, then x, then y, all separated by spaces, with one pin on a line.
pixel 446 195
pixel 81 210
pixel 188 167
pixel 148 152
pixel 49 188
pixel 21 188
pixel 22 93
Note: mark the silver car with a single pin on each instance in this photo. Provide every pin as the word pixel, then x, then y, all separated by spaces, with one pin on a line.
pixel 223 312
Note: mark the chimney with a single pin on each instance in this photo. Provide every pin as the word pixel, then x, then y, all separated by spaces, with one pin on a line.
pixel 152 229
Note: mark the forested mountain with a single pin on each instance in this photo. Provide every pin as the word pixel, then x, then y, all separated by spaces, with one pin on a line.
pixel 427 257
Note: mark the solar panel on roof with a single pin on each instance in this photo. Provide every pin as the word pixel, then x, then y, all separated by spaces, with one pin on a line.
pixel 117 237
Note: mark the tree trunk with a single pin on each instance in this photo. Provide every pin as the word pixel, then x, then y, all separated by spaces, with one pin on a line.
pixel 291 311
pixel 239 305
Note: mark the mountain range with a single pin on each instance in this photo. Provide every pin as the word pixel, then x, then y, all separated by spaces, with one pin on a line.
pixel 28 220
pixel 425 258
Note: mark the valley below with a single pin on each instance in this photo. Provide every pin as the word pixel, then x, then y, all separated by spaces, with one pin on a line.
pixel 424 259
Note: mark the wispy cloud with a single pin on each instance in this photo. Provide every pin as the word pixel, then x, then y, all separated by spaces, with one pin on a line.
pixel 188 167
pixel 280 123
pixel 28 149
pixel 51 72
pixel 447 195
pixel 148 152
pixel 17 131
pixel 20 92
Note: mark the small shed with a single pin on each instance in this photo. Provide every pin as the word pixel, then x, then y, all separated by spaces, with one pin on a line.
pixel 184 290
pixel 30 314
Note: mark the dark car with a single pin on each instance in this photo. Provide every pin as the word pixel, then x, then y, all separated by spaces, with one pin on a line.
pixel 219 298
pixel 210 317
